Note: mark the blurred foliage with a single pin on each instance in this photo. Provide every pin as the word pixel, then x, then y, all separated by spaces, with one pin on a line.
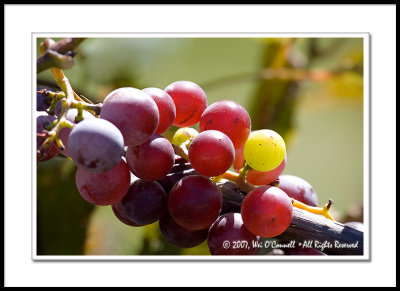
pixel 310 90
pixel 62 214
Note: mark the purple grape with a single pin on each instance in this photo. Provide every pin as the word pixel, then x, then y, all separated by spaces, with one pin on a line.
pixel 120 214
pixel 228 236
pixel 144 203
pixel 178 171
pixel 95 145
pixel 64 132
pixel 179 236
pixel 134 112
pixel 195 202
pixel 42 101
pixel 299 189
pixel 151 160
pixel 42 120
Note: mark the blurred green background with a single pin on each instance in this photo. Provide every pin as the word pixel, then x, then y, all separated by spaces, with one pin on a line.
pixel 310 90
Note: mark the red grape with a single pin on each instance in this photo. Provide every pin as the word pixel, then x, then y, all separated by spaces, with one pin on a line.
pixel 298 189
pixel 228 236
pixel 264 178
pixel 144 203
pixel 267 211
pixel 195 202
pixel 179 236
pixel 190 102
pixel 228 117
pixel 166 108
pixel 151 160
pixel 104 188
pixel 134 112
pixel 211 153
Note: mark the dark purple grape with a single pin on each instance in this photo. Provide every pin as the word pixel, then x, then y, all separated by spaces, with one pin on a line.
pixel 144 203
pixel 228 236
pixel 120 214
pixel 104 188
pixel 178 171
pixel 195 202
pixel 134 112
pixel 42 101
pixel 95 145
pixel 42 120
pixel 299 189
pixel 179 236
pixel 151 160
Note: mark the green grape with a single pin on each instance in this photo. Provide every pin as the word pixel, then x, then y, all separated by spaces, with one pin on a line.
pixel 264 150
pixel 184 134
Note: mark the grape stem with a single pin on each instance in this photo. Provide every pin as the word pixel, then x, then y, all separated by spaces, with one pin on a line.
pixel 57 54
pixel 69 99
pixel 317 210
pixel 180 151
pixel 236 178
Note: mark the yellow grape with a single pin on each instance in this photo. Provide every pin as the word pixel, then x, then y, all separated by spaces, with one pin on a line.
pixel 184 134
pixel 264 150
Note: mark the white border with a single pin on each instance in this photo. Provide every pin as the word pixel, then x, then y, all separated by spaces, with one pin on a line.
pixel 21 20
pixel 366 178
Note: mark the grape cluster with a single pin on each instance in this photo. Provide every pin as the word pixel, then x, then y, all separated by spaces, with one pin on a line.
pixel 124 161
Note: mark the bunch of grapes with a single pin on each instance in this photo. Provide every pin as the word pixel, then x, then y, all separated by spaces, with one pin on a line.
pixel 123 161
